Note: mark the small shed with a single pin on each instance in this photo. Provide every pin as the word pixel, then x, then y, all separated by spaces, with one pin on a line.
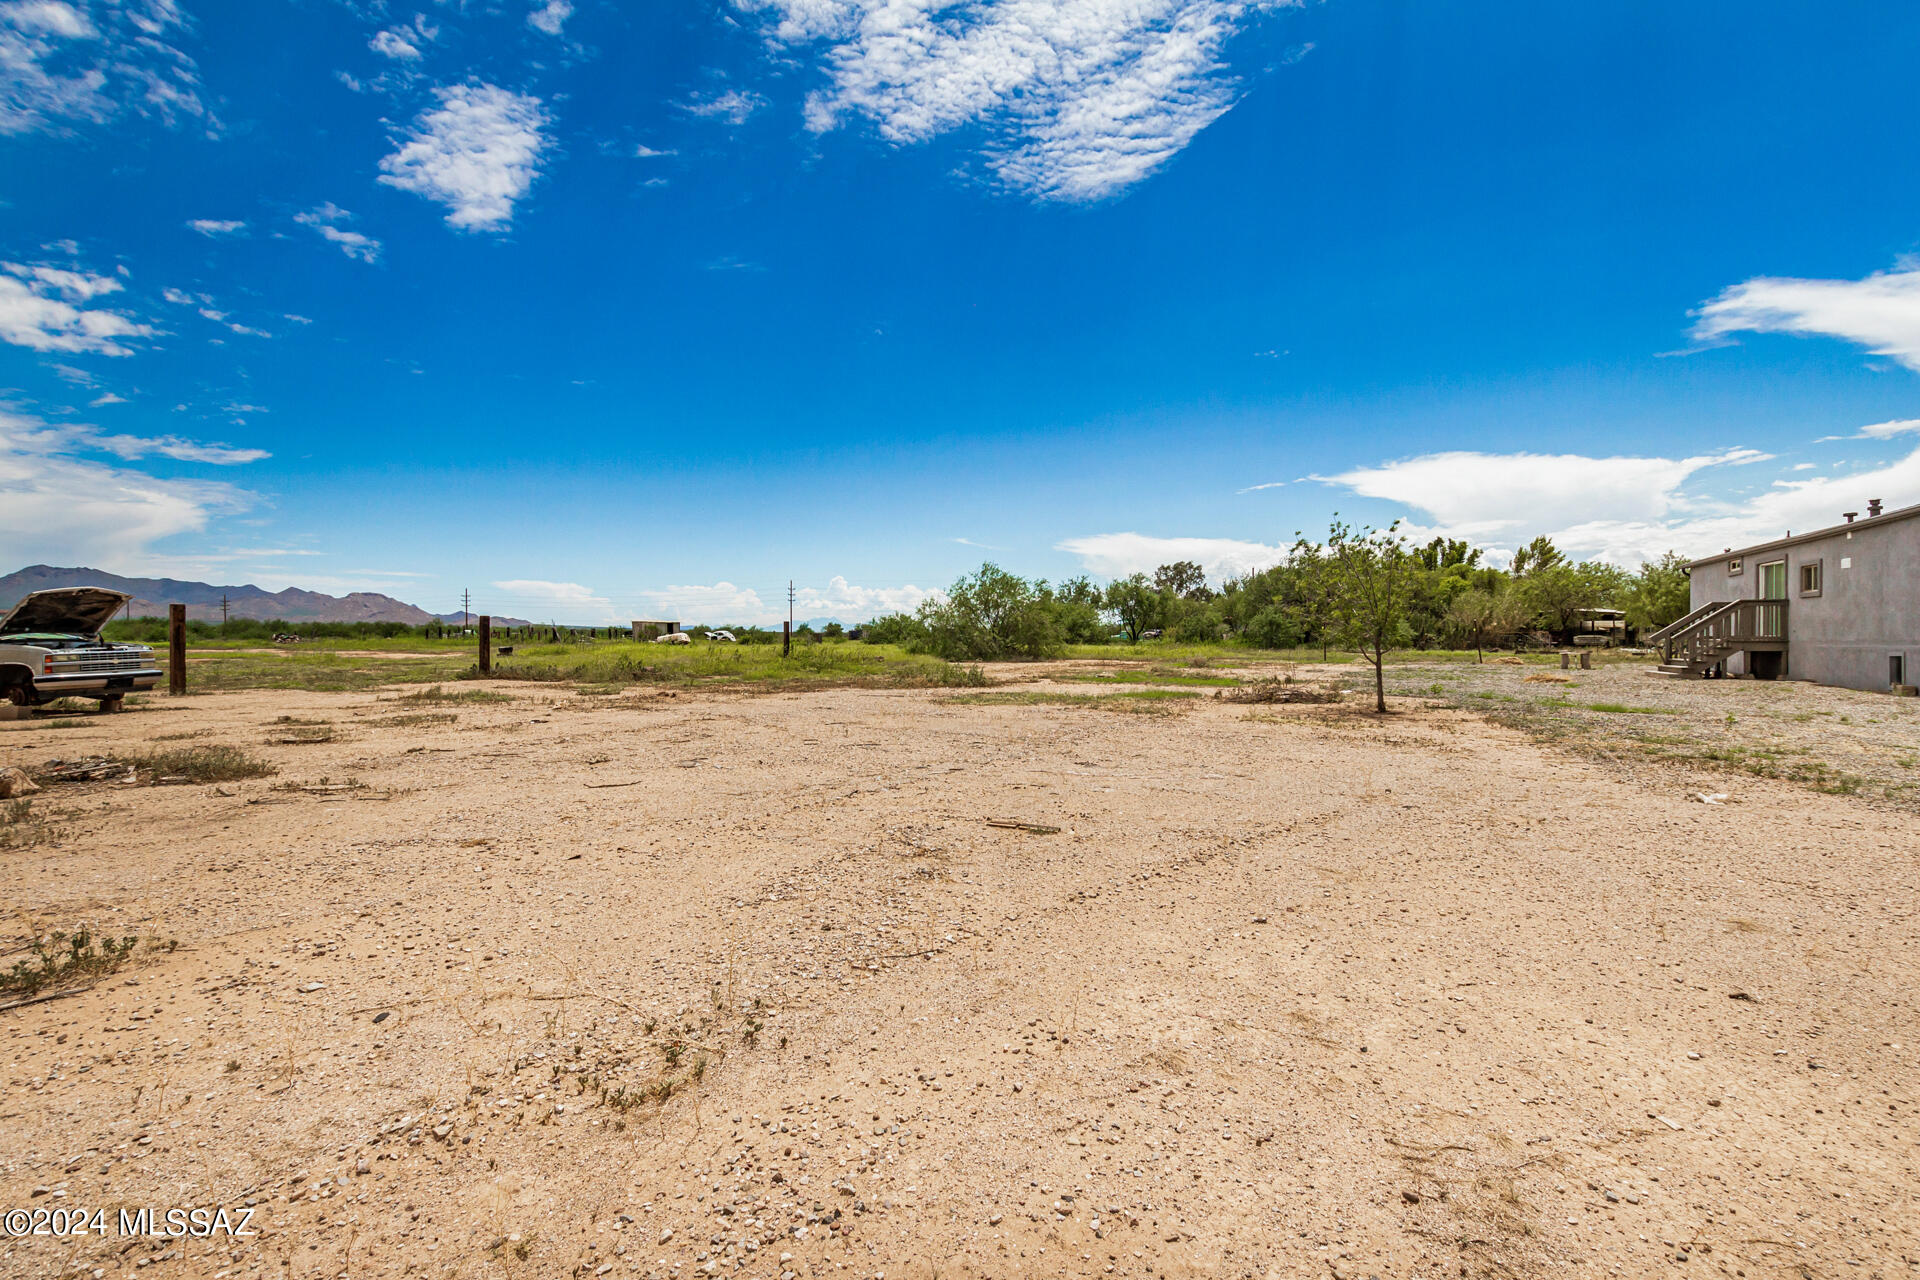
pixel 653 628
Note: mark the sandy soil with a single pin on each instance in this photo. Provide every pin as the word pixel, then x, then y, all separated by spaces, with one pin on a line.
pixel 1292 991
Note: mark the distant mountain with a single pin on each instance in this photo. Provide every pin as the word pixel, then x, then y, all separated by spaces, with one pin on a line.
pixel 151 596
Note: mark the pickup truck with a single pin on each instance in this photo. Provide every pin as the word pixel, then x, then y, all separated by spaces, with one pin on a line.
pixel 50 647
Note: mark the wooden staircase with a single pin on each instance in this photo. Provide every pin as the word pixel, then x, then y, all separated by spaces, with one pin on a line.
pixel 1694 646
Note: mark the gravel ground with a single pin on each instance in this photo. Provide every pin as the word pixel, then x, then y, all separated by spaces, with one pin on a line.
pixel 1840 740
pixel 755 986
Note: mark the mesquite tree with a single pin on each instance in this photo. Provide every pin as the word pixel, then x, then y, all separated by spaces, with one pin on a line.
pixel 1370 576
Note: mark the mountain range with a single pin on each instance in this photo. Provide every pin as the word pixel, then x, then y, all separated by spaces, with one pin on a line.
pixel 151 596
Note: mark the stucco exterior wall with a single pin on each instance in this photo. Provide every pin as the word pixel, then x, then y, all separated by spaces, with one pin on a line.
pixel 1867 611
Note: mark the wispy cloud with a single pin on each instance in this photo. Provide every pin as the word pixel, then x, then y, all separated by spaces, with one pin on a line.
pixel 551 16
pixel 396 44
pixel 724 602
pixel 477 153
pixel 576 602
pixel 1078 99
pixel 326 223
pixel 45 309
pixel 58 506
pixel 1116 555
pixel 108 398
pixel 1624 510
pixel 62 62
pixel 1486 495
pixel 1881 312
pixel 733 105
pixel 215 228
pixel 1879 431
pixel 1256 488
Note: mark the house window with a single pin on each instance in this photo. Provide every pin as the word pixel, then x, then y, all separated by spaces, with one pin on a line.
pixel 1810 578
pixel 1733 567
pixel 1773 580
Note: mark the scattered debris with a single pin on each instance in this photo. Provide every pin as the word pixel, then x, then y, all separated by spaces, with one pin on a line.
pixel 90 769
pixel 1718 797
pixel 15 782
pixel 1014 824
pixel 1279 691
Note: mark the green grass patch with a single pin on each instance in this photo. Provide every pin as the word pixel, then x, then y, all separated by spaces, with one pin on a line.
pixel 1138 701
pixel 761 666
pixel 201 764
pixel 64 959
pixel 1622 709
pixel 317 670
pixel 436 695
pixel 1153 677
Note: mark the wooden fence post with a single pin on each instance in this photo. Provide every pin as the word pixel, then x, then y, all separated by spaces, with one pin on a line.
pixel 177 649
pixel 1586 660
pixel 486 644
pixel 786 639
pixel 1566 661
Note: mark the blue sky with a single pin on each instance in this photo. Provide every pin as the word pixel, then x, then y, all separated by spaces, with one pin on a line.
pixel 602 310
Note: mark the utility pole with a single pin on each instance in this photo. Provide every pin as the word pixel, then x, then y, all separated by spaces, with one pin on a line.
pixel 786 636
pixel 223 611
pixel 466 606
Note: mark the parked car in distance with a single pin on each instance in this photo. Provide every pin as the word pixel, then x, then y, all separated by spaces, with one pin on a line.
pixel 674 637
pixel 725 637
pixel 1150 635
pixel 50 647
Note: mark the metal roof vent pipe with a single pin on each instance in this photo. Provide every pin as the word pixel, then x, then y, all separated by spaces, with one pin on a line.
pixel 1873 507
pixel 1849 515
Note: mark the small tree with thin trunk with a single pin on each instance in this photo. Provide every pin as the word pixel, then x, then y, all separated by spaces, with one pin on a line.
pixel 1370 576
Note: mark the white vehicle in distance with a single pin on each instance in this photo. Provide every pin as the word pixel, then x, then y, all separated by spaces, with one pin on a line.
pixel 725 637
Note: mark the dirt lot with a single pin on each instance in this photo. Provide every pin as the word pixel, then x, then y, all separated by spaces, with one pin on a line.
pixel 706 984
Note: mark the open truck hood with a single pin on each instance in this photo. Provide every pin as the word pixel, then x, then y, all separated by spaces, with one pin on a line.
pixel 78 611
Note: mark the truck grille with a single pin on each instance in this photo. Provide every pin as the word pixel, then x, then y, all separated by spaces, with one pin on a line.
pixel 90 660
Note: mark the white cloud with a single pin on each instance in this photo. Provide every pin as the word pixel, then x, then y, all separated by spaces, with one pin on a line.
pixel 1879 431
pixel 644 152
pixel 133 448
pixel 477 153
pixel 1117 555
pixel 551 16
pixel 395 43
pixel 43 308
pixel 1256 488
pixel 1881 312
pixel 61 62
pixel 1489 496
pixel 106 399
pixel 1623 510
pixel 560 601
pixel 49 17
pixel 1077 99
pixel 214 228
pixel 62 509
pixel 723 602
pixel 325 222
pixel 733 106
